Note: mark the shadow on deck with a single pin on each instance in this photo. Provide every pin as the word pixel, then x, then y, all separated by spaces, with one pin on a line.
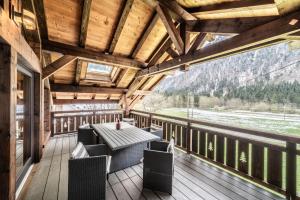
pixel 193 179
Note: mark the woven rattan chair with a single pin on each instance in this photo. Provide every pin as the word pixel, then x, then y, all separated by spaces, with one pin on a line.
pixel 158 167
pixel 87 136
pixel 88 173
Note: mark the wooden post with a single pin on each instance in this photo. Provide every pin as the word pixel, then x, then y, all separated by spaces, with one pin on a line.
pixel 188 138
pixel 126 109
pixel 291 173
pixel 150 120
pixel 38 117
pixel 8 98
pixel 52 124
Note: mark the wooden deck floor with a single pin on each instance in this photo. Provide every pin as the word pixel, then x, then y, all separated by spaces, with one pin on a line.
pixel 193 179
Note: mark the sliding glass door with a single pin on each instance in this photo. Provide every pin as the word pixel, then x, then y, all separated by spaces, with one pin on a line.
pixel 24 123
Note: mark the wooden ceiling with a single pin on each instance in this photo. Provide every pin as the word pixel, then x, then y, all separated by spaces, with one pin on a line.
pixel 136 37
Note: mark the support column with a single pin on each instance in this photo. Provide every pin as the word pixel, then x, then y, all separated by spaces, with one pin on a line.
pixel 47 110
pixel 8 101
pixel 291 170
pixel 38 117
pixel 188 138
pixel 125 103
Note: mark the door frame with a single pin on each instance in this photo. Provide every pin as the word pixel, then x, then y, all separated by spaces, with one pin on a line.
pixel 21 67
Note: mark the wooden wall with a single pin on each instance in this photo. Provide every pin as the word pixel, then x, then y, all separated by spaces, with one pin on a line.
pixel 8 98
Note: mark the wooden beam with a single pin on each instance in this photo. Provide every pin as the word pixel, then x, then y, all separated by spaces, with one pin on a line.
pixel 10 33
pixel 135 85
pixel 186 43
pixel 120 25
pixel 121 75
pixel 83 101
pixel 265 33
pixel 57 65
pixel 78 71
pixel 145 35
pixel 84 21
pixel 142 92
pixel 162 48
pixel 172 52
pixel 198 42
pixel 170 27
pixel 8 101
pixel 226 26
pixel 177 9
pixel 85 89
pixel 92 55
pixel 244 8
pixel 41 18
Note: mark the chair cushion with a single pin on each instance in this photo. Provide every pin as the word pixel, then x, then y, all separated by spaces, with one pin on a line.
pixel 170 148
pixel 79 152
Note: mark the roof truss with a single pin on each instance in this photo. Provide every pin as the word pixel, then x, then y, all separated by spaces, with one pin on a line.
pixel 265 33
pixel 91 55
pixel 84 21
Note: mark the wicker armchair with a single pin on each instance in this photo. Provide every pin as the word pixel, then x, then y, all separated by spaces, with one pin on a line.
pixel 158 167
pixel 88 173
pixel 87 136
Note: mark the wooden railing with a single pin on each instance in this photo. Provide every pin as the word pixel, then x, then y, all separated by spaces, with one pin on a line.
pixel 266 158
pixel 69 121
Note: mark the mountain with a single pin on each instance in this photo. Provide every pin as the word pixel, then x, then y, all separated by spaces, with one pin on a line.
pixel 271 65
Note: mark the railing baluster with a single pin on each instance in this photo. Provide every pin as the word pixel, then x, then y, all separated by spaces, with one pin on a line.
pixel 178 136
pixel 291 170
pixel 257 168
pixel 275 173
pixel 231 152
pixel 202 143
pixel 210 146
pixel 187 132
pixel 164 130
pixel 195 141
pixel 243 156
pixel 220 149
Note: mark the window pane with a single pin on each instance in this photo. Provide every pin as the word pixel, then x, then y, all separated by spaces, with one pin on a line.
pixel 99 68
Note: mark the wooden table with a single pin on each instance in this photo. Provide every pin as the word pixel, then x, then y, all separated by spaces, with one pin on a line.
pixel 126 145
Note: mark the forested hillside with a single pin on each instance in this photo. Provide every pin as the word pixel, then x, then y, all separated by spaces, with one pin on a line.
pixel 268 75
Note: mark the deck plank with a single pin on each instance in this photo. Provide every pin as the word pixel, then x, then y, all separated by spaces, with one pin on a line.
pixel 121 175
pixel 120 192
pixel 51 190
pixel 63 177
pixel 110 194
pixel 232 183
pixel 132 189
pixel 193 179
pixel 113 179
pixel 38 183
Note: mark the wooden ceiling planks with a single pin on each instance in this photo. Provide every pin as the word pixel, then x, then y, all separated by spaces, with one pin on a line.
pixel 135 31
pixel 126 78
pixel 152 42
pixel 138 17
pixel 63 20
pixel 102 22
pixel 197 3
pixel 246 8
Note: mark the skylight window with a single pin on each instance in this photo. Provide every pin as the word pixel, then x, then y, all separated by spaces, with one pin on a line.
pixel 99 68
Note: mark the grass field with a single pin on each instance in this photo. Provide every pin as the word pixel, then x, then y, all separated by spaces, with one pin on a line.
pixel 277 123
pixel 273 122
